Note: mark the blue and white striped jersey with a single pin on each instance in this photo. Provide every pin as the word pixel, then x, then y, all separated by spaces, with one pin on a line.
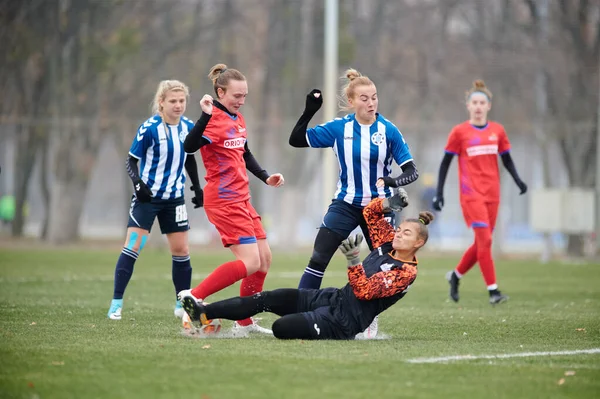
pixel 160 148
pixel 364 152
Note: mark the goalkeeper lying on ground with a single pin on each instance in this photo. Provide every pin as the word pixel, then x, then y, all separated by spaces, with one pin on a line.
pixel 332 313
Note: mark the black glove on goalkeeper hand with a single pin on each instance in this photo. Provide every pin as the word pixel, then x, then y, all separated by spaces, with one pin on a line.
pixel 351 249
pixel 397 202
pixel 314 100
pixel 438 202
pixel 198 199
pixel 522 186
pixel 142 191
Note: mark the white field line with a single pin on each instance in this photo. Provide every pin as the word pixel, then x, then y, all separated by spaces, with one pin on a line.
pixel 446 359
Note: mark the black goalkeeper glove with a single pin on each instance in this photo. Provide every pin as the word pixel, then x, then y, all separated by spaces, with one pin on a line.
pixel 438 202
pixel 314 100
pixel 142 191
pixel 522 186
pixel 397 202
pixel 198 199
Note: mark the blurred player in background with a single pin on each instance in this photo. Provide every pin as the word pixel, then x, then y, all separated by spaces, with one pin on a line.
pixel 220 134
pixel 159 190
pixel 477 143
pixel 375 284
pixel 365 144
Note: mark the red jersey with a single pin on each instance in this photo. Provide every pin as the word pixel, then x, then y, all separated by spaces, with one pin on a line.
pixel 477 150
pixel 226 177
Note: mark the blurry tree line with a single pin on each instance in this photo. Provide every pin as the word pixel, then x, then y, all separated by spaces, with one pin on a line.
pixel 76 71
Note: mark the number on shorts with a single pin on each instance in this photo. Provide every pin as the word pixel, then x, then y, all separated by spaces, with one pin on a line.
pixel 180 213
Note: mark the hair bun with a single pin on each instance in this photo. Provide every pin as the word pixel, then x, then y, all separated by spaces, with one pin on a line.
pixel 352 74
pixel 426 217
pixel 479 84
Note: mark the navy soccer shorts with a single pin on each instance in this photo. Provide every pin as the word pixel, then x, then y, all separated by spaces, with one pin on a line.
pixel 325 311
pixel 342 218
pixel 171 214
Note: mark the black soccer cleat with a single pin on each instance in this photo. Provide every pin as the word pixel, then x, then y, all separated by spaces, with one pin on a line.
pixel 453 280
pixel 497 297
pixel 194 308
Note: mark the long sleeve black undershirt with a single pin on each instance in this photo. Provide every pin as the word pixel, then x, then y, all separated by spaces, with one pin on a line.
pixel 191 166
pixel 409 175
pixel 253 166
pixel 195 140
pixel 298 136
pixel 443 173
pixel 131 164
pixel 508 163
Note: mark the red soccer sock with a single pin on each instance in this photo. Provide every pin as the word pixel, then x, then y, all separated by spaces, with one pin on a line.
pixel 222 277
pixel 483 239
pixel 251 285
pixel 468 260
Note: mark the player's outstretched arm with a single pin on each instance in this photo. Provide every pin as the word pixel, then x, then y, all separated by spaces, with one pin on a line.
pixel 314 100
pixel 380 231
pixel 381 284
pixel 409 175
pixel 438 200
pixel 508 163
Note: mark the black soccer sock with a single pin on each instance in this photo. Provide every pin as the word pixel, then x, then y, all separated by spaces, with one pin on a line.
pixel 123 271
pixel 326 243
pixel 181 273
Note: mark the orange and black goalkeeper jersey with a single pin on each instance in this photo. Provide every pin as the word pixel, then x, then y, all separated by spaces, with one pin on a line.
pixel 381 280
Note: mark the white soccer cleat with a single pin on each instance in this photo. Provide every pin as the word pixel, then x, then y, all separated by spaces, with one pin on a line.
pixel 251 328
pixel 371 331
pixel 116 307
pixel 179 311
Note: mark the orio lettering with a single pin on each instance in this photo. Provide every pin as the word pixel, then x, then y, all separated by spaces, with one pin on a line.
pixel 234 143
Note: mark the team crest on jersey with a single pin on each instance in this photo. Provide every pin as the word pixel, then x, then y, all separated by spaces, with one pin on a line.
pixel 493 137
pixel 182 136
pixel 377 138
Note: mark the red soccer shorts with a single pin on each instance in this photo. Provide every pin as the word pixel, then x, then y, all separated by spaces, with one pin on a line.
pixel 237 223
pixel 479 213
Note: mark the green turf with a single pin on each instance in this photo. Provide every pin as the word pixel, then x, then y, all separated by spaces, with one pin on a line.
pixel 57 343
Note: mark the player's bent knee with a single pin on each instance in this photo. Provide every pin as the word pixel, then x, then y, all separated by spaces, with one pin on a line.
pixel 292 326
pixel 136 241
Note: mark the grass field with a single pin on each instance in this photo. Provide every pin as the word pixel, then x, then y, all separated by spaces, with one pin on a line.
pixel 57 342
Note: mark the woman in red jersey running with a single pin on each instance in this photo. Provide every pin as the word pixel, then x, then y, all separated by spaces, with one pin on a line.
pixel 477 143
pixel 220 134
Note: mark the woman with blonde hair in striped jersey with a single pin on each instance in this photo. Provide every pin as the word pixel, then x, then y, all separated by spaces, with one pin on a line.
pixel 365 144
pixel 159 185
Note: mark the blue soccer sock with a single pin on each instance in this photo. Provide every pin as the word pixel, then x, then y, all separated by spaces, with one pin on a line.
pixel 181 273
pixel 311 278
pixel 123 271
